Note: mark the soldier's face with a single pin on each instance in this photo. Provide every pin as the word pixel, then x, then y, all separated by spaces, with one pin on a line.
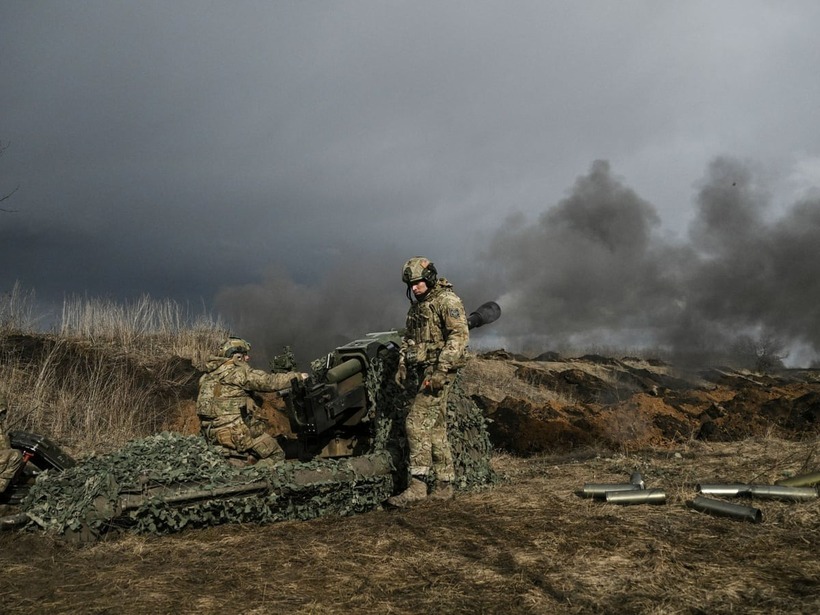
pixel 419 288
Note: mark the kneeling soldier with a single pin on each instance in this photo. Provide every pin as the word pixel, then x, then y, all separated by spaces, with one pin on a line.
pixel 226 408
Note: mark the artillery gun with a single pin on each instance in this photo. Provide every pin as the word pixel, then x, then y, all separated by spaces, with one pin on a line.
pixel 332 411
pixel 348 455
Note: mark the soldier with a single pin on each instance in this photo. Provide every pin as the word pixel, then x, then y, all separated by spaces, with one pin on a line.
pixel 434 348
pixel 226 408
pixel 10 458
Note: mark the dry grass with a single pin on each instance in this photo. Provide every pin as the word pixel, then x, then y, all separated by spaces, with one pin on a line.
pixel 17 310
pixel 111 373
pixel 147 327
pixel 528 545
pixel 92 402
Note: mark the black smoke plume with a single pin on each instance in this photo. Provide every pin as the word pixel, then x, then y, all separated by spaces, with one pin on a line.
pixel 594 271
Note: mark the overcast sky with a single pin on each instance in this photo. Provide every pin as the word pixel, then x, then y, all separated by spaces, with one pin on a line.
pixel 612 173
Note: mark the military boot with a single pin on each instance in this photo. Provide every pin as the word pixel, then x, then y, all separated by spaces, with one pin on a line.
pixel 415 492
pixel 443 490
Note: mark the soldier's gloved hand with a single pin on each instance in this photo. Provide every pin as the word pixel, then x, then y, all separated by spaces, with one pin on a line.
pixel 437 382
pixel 401 375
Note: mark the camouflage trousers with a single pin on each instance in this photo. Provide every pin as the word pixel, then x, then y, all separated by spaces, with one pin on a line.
pixel 10 461
pixel 426 429
pixel 236 434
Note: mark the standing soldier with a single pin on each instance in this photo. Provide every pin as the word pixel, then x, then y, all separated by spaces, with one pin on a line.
pixel 226 408
pixel 434 348
pixel 10 458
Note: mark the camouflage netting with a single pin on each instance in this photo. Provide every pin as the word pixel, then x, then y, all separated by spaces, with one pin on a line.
pixel 167 482
pixel 469 439
pixel 466 428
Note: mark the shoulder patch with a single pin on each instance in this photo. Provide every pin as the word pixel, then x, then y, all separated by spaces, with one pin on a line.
pixel 454 312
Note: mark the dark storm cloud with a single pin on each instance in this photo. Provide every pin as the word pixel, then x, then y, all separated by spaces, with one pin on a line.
pixel 239 153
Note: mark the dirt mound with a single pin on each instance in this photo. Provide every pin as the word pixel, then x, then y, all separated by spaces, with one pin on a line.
pixel 547 404
pixel 559 405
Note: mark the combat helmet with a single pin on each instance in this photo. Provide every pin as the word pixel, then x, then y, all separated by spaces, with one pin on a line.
pixel 235 345
pixel 419 269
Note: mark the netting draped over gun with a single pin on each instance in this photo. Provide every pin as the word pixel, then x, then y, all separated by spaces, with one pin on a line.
pixel 329 410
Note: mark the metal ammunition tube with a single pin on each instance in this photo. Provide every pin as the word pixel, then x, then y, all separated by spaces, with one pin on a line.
pixel 637 479
pixel 802 480
pixel 599 490
pixel 781 492
pixel 638 496
pixel 726 509
pixel 343 371
pixel 729 489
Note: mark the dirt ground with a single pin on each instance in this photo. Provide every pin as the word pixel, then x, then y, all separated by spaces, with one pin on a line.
pixel 529 544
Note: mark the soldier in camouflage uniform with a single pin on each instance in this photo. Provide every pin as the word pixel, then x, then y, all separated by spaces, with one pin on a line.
pixel 10 458
pixel 226 408
pixel 434 347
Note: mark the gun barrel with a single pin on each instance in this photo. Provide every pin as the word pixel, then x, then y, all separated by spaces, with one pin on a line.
pixel 484 315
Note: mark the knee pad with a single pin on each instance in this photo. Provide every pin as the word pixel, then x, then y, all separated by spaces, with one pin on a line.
pixel 265 445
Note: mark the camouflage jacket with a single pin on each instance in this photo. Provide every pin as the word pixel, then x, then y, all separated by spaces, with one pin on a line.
pixel 436 332
pixel 226 386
